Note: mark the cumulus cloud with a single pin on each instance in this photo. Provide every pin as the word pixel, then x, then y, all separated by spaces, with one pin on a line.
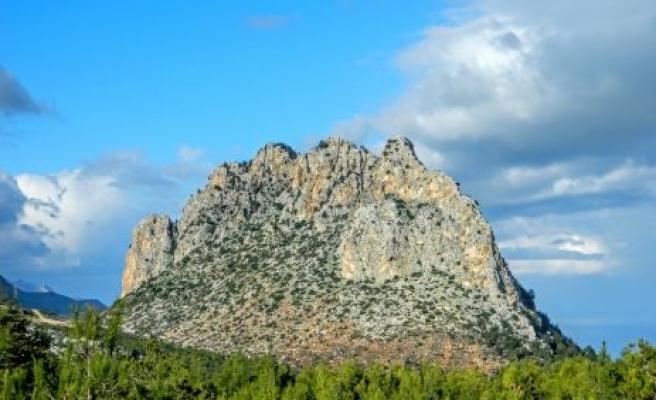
pixel 84 216
pixel 71 209
pixel 527 85
pixel 541 110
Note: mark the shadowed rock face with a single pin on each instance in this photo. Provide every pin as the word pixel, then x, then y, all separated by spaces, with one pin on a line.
pixel 295 253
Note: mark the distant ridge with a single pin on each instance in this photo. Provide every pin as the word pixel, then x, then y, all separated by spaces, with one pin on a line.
pixel 42 297
pixel 31 287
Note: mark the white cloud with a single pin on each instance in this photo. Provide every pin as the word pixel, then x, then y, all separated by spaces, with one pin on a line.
pixel 84 206
pixel 557 254
pixel 463 78
pixel 557 267
pixel 563 242
pixel 516 83
pixel 544 116
pixel 85 215
pixel 623 177
pixel 615 240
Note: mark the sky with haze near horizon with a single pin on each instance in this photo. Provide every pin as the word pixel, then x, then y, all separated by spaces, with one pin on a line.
pixel 545 112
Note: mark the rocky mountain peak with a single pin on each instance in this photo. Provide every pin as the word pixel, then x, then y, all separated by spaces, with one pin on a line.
pixel 334 142
pixel 323 254
pixel 400 150
pixel 272 156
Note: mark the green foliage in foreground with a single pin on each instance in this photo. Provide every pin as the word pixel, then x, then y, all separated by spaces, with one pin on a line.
pixel 98 362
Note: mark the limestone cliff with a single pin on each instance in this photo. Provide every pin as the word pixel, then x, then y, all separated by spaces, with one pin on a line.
pixel 330 254
pixel 150 252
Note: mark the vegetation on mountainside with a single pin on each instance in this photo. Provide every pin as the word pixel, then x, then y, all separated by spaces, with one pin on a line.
pixel 98 362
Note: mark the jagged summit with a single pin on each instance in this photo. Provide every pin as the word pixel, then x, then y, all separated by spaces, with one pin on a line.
pixel 333 142
pixel 330 254
pixel 274 151
pixel 31 287
pixel 400 149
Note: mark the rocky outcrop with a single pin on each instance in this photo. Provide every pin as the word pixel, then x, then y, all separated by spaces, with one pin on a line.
pixel 321 254
pixel 390 238
pixel 150 252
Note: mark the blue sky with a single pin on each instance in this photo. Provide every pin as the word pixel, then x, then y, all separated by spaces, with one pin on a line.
pixel 544 112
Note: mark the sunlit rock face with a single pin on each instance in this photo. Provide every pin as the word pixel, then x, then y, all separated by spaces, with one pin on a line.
pixel 150 253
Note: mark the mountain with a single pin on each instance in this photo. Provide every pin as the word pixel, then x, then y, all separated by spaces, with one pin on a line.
pixel 45 299
pixel 6 288
pixel 332 255
pixel 31 287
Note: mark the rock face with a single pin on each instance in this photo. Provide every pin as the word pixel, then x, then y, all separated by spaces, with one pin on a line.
pixel 150 252
pixel 333 254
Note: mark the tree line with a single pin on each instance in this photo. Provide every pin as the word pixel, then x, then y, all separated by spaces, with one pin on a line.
pixel 94 360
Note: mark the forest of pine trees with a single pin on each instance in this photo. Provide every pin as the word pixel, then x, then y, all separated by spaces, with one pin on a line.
pixel 96 361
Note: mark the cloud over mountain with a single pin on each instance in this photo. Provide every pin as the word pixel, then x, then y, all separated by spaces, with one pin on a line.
pixel 528 85
pixel 541 109
pixel 84 216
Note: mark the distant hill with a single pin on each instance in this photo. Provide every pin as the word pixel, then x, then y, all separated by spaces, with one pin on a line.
pixel 31 287
pixel 45 299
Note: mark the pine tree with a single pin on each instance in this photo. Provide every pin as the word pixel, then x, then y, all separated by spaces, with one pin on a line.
pixel 20 343
pixel 41 389
pixel 637 371
pixel 14 383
